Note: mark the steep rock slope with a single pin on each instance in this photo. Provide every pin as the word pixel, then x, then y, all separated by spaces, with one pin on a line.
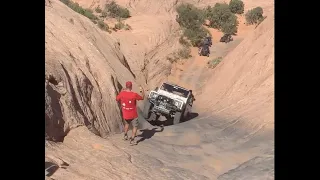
pixel 84 70
pixel 243 83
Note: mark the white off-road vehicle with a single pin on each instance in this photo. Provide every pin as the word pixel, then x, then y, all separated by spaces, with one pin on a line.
pixel 171 101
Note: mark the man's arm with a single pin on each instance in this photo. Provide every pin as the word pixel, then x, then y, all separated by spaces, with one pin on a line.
pixel 140 97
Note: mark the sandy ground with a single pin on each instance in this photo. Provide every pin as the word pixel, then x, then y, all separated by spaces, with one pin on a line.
pixel 230 134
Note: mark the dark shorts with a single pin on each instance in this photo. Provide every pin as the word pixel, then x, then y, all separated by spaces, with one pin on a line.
pixel 133 122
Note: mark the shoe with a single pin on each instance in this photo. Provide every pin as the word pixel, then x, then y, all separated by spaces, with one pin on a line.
pixel 125 137
pixel 133 141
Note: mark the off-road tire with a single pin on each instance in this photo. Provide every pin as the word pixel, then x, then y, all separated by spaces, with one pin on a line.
pixel 177 118
pixel 146 110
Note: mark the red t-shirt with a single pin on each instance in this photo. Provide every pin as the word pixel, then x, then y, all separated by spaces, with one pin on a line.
pixel 128 100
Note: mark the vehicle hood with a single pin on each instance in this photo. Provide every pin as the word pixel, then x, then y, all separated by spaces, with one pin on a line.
pixel 172 96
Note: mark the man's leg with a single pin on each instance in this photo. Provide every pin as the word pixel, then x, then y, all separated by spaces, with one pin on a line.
pixel 135 124
pixel 126 129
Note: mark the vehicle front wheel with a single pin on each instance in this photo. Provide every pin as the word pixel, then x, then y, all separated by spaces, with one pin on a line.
pixel 177 118
pixel 146 110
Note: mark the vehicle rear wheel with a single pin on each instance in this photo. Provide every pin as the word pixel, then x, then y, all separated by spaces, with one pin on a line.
pixel 177 118
pixel 146 110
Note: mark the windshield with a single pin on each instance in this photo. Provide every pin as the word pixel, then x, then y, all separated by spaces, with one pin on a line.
pixel 174 90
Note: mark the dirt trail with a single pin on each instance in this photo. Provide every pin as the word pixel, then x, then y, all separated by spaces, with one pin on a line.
pixel 193 73
pixel 188 74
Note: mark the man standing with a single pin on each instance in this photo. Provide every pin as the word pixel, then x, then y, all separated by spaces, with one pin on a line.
pixel 128 100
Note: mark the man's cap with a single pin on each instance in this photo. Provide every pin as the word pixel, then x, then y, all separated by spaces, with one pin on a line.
pixel 128 84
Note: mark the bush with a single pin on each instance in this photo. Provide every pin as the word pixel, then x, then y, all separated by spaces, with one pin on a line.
pixel 103 25
pixel 230 26
pixel 213 63
pixel 236 6
pixel 255 15
pixel 98 9
pixel 104 14
pixel 127 27
pixel 114 10
pixel 184 42
pixel 184 53
pixel 196 35
pixel 85 12
pixel 191 19
pixel 221 17
pixel 121 25
pixel 88 14
pixel 66 2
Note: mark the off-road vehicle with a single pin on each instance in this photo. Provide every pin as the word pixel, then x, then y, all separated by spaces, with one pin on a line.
pixel 207 41
pixel 204 50
pixel 226 38
pixel 170 100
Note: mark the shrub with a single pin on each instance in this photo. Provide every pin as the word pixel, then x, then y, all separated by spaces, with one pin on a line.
pixel 98 9
pixel 196 35
pixel 104 14
pixel 183 42
pixel 88 14
pixel 213 63
pixel 114 10
pixel 254 15
pixel 191 19
pixel 121 25
pixel 230 26
pixel 66 2
pixel 77 8
pixel 127 27
pixel 236 6
pixel 103 25
pixel 184 53
pixel 221 17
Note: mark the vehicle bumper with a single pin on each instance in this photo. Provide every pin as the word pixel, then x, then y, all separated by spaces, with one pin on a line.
pixel 161 109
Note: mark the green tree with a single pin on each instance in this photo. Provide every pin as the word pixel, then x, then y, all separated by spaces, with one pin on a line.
pixel 189 16
pixel 254 15
pixel 230 26
pixel 221 17
pixel 236 6
pixel 117 11
pixel 191 19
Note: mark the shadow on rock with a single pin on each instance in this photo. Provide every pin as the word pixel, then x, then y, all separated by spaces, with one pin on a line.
pixel 169 122
pixel 148 133
pixel 192 115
